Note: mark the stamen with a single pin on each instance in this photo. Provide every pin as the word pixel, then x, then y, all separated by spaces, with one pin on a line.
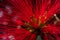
pixel 56 17
pixel 31 30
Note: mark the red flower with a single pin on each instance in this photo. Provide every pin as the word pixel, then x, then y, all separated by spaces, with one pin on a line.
pixel 25 19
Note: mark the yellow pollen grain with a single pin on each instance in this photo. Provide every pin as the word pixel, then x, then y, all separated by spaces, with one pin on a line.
pixel 31 30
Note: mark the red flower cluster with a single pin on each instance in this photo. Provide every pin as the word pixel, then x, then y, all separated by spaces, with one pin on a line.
pixel 26 19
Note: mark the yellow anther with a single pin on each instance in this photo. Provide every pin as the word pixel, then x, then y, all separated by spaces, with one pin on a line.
pixel 39 22
pixel 33 19
pixel 26 23
pixel 31 30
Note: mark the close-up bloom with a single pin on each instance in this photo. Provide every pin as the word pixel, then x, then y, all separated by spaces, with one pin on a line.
pixel 29 19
